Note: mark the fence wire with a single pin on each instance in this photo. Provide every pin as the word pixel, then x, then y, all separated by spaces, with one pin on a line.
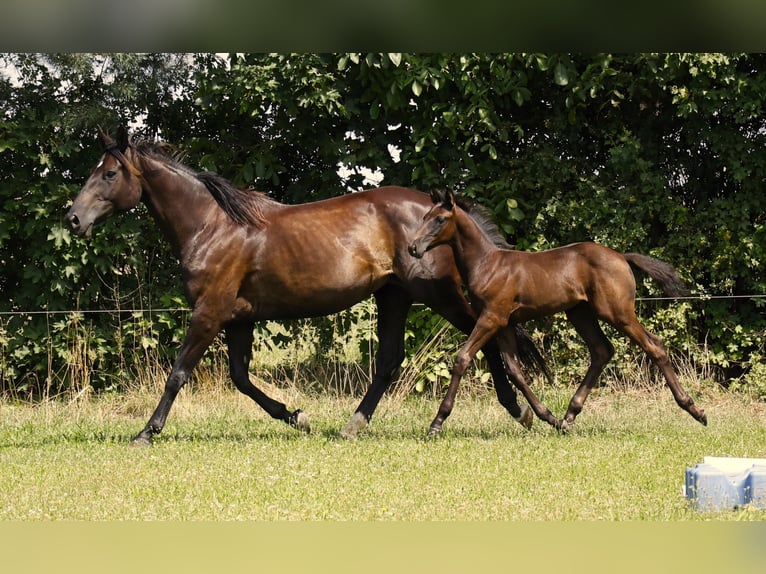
pixel 152 310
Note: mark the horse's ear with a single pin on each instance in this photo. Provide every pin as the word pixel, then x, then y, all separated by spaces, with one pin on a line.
pixel 436 196
pixel 104 138
pixel 123 140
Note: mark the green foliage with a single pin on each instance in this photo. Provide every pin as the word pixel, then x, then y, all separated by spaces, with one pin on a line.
pixel 655 153
pixel 431 344
pixel 51 107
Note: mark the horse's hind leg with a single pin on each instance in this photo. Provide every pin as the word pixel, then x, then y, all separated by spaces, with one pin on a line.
pixel 653 347
pixel 601 351
pixel 239 337
pixel 393 305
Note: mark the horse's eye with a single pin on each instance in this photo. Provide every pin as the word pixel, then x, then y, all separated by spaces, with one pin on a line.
pixel 440 220
pixel 110 174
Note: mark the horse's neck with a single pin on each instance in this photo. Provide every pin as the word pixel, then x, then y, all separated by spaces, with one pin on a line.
pixel 471 246
pixel 178 202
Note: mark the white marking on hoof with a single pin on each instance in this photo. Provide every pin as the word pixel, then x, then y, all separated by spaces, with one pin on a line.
pixel 356 425
pixel 141 442
pixel 566 427
pixel 302 423
pixel 526 417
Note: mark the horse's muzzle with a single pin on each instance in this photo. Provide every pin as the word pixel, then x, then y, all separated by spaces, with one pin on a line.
pixel 76 225
pixel 415 251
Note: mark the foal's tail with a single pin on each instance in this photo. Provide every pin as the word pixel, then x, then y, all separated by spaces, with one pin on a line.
pixel 660 271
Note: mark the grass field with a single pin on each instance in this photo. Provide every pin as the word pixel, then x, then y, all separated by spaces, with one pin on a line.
pixel 220 458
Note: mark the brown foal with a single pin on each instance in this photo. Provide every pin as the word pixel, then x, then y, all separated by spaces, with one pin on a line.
pixel 587 281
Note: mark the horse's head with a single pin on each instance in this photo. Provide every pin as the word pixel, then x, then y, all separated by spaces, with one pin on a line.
pixel 114 185
pixel 438 225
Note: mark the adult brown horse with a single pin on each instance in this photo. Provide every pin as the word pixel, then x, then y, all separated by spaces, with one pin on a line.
pixel 588 281
pixel 245 257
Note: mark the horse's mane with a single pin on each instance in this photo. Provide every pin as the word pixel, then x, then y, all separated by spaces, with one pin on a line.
pixel 484 220
pixel 245 207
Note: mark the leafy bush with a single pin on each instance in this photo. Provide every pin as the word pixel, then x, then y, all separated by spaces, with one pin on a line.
pixel 643 152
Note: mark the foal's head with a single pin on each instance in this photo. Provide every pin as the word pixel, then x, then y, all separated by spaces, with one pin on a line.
pixel 438 225
pixel 114 185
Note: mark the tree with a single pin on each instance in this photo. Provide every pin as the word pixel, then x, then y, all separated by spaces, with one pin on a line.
pixel 646 152
pixel 51 105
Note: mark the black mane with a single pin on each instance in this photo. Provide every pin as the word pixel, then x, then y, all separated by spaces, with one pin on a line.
pixel 484 220
pixel 242 205
pixel 245 207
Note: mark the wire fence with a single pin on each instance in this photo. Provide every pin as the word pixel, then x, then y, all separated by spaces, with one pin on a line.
pixel 96 311
pixel 151 310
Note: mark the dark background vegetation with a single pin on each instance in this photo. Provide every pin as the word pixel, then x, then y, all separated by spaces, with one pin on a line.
pixel 656 153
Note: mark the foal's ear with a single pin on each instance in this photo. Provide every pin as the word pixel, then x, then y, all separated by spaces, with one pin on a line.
pixel 436 196
pixel 122 138
pixel 448 201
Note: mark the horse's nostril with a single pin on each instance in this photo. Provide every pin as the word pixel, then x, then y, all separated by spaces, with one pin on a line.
pixel 74 221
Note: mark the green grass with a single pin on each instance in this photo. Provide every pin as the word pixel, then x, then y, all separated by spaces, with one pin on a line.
pixel 220 458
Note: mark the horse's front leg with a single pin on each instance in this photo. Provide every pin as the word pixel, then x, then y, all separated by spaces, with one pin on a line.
pixel 198 338
pixel 486 326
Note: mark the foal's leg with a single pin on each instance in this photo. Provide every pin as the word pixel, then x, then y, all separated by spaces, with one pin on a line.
pixel 240 341
pixel 506 338
pixel 393 305
pixel 506 395
pixel 601 351
pixel 450 304
pixel 486 327
pixel 201 333
pixel 653 347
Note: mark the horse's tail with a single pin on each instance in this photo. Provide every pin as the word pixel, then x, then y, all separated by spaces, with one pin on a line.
pixel 662 272
pixel 529 354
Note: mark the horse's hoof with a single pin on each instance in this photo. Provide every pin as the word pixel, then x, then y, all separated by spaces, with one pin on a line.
pixel 356 425
pixel 141 441
pixel 702 417
pixel 565 427
pixel 300 421
pixel 526 417
pixel 434 431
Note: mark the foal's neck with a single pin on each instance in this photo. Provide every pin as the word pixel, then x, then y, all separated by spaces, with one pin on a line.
pixel 471 246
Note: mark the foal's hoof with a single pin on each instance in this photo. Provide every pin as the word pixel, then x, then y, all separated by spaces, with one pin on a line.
pixel 526 417
pixel 356 425
pixel 300 420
